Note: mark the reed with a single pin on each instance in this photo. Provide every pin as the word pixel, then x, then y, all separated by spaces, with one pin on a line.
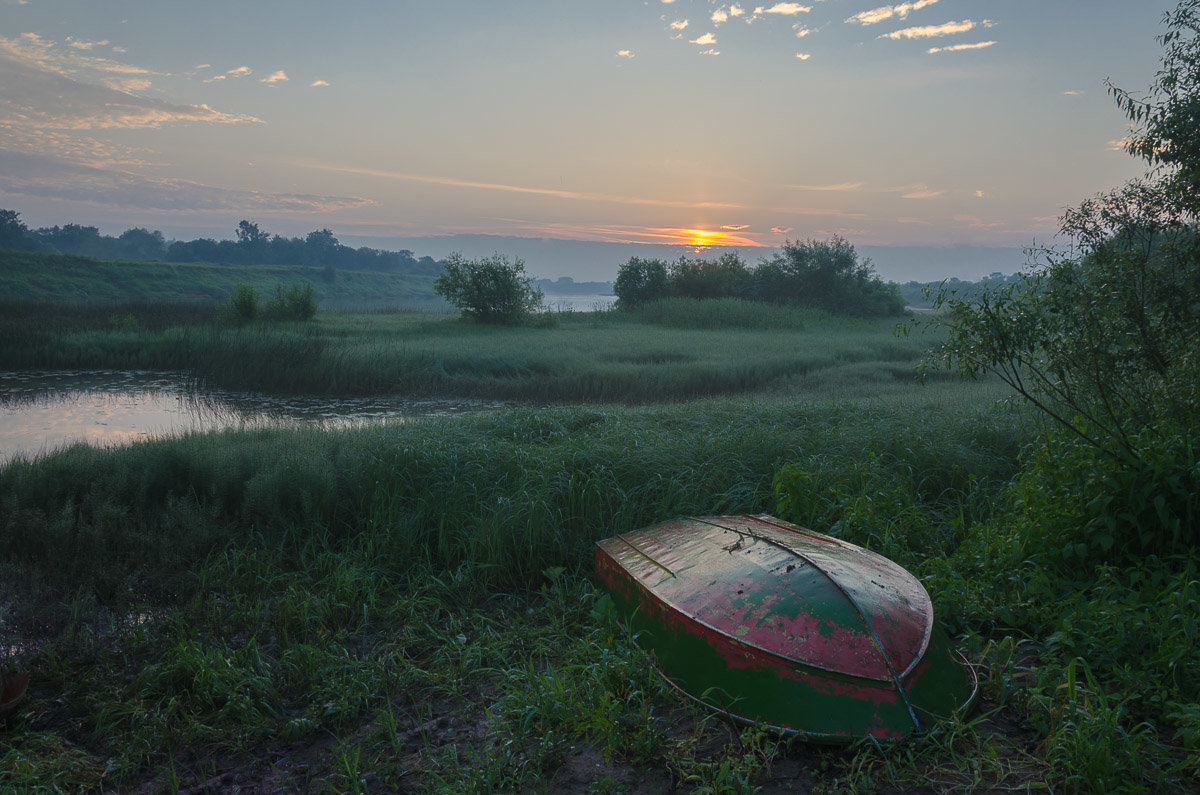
pixel 408 605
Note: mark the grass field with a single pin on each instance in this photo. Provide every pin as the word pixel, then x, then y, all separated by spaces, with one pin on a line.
pixel 33 277
pixel 408 607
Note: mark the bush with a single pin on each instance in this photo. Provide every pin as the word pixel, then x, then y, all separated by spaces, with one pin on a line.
pixel 489 290
pixel 298 302
pixel 244 303
pixel 641 281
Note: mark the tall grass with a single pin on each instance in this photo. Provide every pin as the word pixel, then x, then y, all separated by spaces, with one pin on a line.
pixel 602 357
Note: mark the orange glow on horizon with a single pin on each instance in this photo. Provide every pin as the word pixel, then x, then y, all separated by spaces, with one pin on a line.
pixel 707 237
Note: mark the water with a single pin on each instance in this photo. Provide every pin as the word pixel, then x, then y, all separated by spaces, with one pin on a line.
pixel 579 303
pixel 41 411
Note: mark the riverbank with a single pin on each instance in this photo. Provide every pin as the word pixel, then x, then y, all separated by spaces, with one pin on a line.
pixel 410 607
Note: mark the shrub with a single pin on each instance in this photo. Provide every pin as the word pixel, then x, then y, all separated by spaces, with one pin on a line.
pixel 244 303
pixel 298 302
pixel 490 289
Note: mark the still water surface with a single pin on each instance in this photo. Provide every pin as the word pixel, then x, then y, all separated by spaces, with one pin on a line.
pixel 41 411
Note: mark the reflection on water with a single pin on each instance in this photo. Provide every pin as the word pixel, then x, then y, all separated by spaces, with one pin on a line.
pixel 578 303
pixel 40 411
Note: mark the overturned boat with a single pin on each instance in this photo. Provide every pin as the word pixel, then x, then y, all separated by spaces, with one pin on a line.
pixel 778 625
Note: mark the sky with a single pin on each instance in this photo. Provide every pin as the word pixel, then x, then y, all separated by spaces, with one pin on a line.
pixel 927 122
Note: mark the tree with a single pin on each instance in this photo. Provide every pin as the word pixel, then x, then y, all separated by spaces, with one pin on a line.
pixel 1103 342
pixel 727 277
pixel 142 244
pixel 13 233
pixel 249 235
pixel 641 281
pixel 826 275
pixel 489 290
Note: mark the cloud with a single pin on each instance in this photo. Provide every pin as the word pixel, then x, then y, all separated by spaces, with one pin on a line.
pixel 42 92
pixel 887 12
pixel 979 194
pixel 802 31
pixel 203 66
pixel 925 193
pixel 319 84
pixel 960 47
pixel 719 16
pixel 430 179
pixel 278 76
pixel 736 10
pixel 710 51
pixel 784 9
pixel 781 230
pixel 85 45
pixel 803 56
pixel 1072 93
pixel 837 186
pixel 625 54
pixel 50 178
pixel 736 227
pixel 31 51
pixel 707 38
pixel 240 71
pixel 679 24
pixel 930 31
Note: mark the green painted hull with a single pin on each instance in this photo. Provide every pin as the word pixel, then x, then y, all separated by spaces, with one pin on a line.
pixel 778 625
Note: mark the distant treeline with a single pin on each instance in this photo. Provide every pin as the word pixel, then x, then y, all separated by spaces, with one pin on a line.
pixel 922 294
pixel 815 274
pixel 252 246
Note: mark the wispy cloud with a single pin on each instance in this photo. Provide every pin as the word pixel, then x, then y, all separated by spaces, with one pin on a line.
pixel 837 186
pixel 319 84
pixel 710 51
pixel 781 230
pixel 32 51
pixel 706 39
pixel 1072 93
pixel 960 47
pixel 240 71
pixel 884 13
pixel 803 56
pixel 85 45
pixel 931 31
pixel 42 177
pixel 736 227
pixel 719 16
pixel 430 179
pixel 925 193
pixel 278 76
pixel 625 54
pixel 614 233
pixel 784 9
pixel 49 90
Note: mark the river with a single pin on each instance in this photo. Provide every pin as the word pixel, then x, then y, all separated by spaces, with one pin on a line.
pixel 41 411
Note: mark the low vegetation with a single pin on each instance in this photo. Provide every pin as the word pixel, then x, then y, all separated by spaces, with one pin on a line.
pixel 31 277
pixel 824 275
pixel 408 606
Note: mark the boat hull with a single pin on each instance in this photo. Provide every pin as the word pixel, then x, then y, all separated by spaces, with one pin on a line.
pixel 777 625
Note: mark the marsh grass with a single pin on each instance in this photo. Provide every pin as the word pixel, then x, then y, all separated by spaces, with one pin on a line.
pixel 408 606
pixel 605 356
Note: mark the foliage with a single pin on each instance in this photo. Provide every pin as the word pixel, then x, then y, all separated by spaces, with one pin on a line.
pixel 297 302
pixel 641 281
pixel 825 275
pixel 244 302
pixel 489 290
pixel 1103 342
pixel 726 277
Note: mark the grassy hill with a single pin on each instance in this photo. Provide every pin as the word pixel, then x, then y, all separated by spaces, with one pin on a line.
pixel 39 277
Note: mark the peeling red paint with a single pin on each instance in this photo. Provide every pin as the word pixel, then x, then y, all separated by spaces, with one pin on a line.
pixel 770 599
